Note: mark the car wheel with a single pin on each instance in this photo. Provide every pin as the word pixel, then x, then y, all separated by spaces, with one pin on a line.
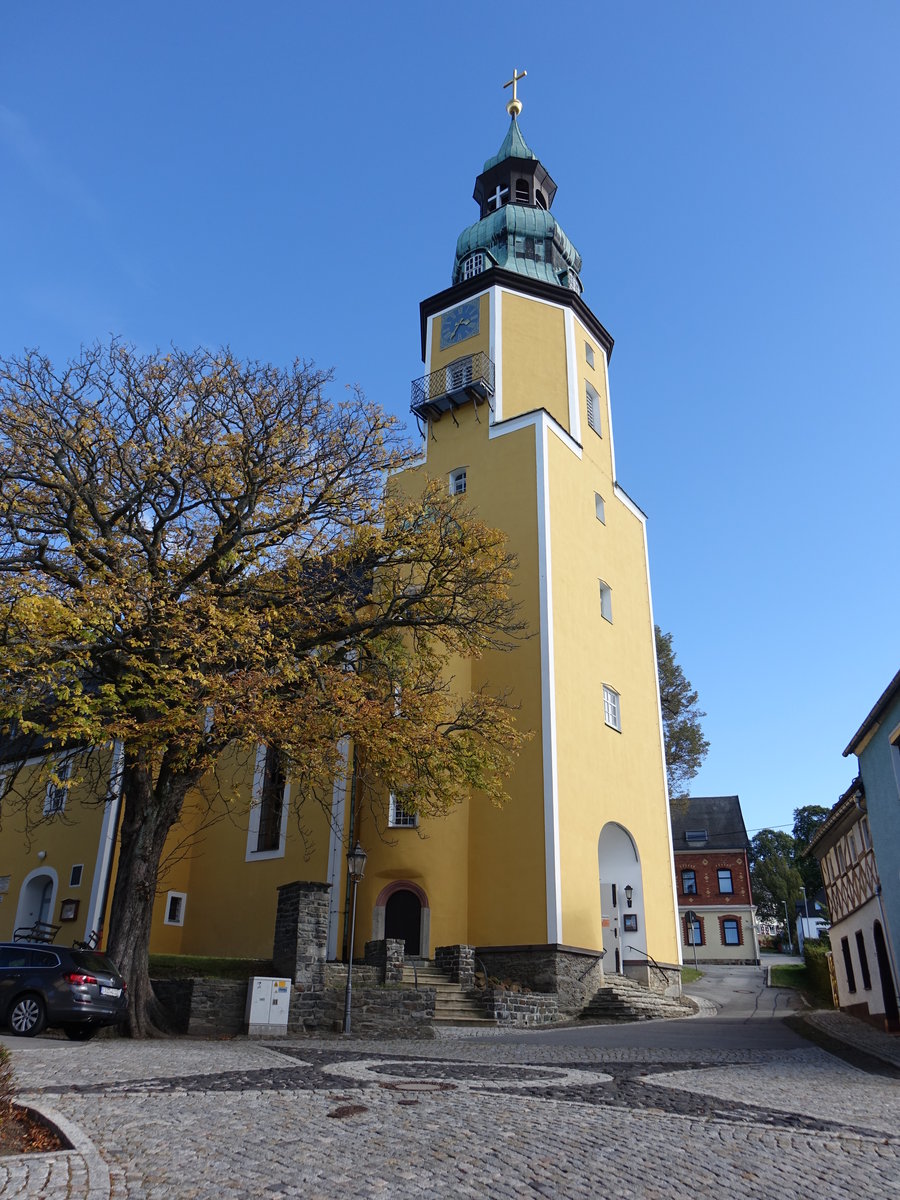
pixel 80 1033
pixel 28 1015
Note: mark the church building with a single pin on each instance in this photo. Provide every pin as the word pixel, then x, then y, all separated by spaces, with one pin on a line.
pixel 574 877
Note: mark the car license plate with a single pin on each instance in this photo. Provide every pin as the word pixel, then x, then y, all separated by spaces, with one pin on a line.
pixel 105 991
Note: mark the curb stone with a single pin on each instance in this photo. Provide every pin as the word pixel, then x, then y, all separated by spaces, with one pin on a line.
pixel 81 1146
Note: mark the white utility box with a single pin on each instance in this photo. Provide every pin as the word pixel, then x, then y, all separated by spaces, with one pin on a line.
pixel 268 1003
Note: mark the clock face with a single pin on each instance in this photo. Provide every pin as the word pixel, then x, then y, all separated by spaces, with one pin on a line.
pixel 459 323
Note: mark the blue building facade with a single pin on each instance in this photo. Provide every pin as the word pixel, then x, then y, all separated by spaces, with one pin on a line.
pixel 876 745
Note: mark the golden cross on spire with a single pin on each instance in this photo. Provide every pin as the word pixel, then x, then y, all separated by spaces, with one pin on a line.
pixel 514 107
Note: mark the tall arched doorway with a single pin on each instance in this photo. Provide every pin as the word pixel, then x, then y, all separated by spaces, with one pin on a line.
pixel 621 897
pixel 403 919
pixel 36 897
pixel 888 991
pixel 402 912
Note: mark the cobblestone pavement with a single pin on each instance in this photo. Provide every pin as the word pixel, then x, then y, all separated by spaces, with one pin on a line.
pixel 325 1118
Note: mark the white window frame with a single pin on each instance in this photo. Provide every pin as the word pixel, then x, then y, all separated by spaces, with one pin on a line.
pixel 73 882
pixel 605 601
pixel 589 354
pixel 457 477
pixel 259 775
pixel 612 708
pixel 592 404
pixel 473 265
pixel 600 508
pixel 398 817
pixel 181 897
pixel 57 795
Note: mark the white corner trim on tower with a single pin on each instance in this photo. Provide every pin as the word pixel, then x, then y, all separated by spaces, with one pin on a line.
pixel 548 689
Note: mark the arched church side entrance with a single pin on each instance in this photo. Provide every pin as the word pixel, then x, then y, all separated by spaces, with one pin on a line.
pixel 402 912
pixel 36 897
pixel 891 1013
pixel 624 935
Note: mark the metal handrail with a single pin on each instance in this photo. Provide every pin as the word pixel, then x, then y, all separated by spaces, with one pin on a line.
pixel 652 960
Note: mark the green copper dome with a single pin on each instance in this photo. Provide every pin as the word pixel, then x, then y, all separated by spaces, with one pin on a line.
pixel 516 231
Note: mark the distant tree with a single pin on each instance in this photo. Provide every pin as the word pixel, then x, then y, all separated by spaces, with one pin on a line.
pixel 686 747
pixel 806 821
pixel 197 553
pixel 773 874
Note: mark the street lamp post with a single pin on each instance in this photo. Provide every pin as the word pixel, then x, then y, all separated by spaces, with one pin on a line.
pixel 356 865
pixel 787 923
pixel 693 924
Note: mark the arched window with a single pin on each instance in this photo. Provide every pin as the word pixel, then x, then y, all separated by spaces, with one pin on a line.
pixel 540 199
pixel 473 265
pixel 523 192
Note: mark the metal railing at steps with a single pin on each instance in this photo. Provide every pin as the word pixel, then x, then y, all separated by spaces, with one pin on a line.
pixel 651 959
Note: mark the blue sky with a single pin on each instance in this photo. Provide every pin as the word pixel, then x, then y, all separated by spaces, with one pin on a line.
pixel 291 179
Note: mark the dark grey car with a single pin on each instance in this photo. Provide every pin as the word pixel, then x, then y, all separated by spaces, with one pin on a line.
pixel 78 991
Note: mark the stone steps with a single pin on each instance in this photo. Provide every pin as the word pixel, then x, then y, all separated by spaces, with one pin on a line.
pixel 451 1004
pixel 621 999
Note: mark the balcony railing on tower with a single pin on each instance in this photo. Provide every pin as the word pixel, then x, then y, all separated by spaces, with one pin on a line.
pixel 469 378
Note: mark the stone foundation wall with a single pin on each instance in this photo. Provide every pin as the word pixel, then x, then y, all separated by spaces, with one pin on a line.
pixel 385 1011
pixel 574 975
pixel 364 974
pixel 508 1007
pixel 204 1007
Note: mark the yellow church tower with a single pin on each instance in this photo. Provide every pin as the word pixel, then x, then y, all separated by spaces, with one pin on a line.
pixel 515 412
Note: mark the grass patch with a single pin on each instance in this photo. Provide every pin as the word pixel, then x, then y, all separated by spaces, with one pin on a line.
pixel 195 966
pixel 690 974
pixel 792 975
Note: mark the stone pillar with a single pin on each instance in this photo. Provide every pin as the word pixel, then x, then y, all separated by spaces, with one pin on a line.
pixel 458 962
pixel 301 934
pixel 389 955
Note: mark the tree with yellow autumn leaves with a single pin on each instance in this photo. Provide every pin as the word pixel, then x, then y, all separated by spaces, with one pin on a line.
pixel 198 553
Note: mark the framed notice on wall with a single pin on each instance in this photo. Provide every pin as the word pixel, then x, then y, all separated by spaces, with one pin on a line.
pixel 68 910
pixel 629 922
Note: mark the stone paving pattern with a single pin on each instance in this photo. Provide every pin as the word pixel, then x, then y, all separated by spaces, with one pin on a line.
pixel 487 1117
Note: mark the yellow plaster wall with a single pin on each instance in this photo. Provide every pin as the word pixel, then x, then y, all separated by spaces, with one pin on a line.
pixel 483 869
pixel 534 358
pixel 231 903
pixel 66 839
pixel 605 775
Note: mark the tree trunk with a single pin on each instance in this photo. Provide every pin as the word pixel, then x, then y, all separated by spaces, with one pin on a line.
pixel 149 812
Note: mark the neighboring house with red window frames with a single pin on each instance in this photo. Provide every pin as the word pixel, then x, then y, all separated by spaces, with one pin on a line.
pixel 712 876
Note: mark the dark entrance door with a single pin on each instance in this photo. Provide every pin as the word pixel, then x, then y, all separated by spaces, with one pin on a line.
pixel 892 1016
pixel 403 919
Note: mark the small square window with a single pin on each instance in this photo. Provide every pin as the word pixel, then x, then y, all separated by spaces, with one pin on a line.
pixel 600 507
pixel 76 874
pixel 589 354
pixel 458 481
pixel 175 904
pixel 611 710
pixel 593 408
pixel 605 601
pixel 726 886
pixel 731 932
